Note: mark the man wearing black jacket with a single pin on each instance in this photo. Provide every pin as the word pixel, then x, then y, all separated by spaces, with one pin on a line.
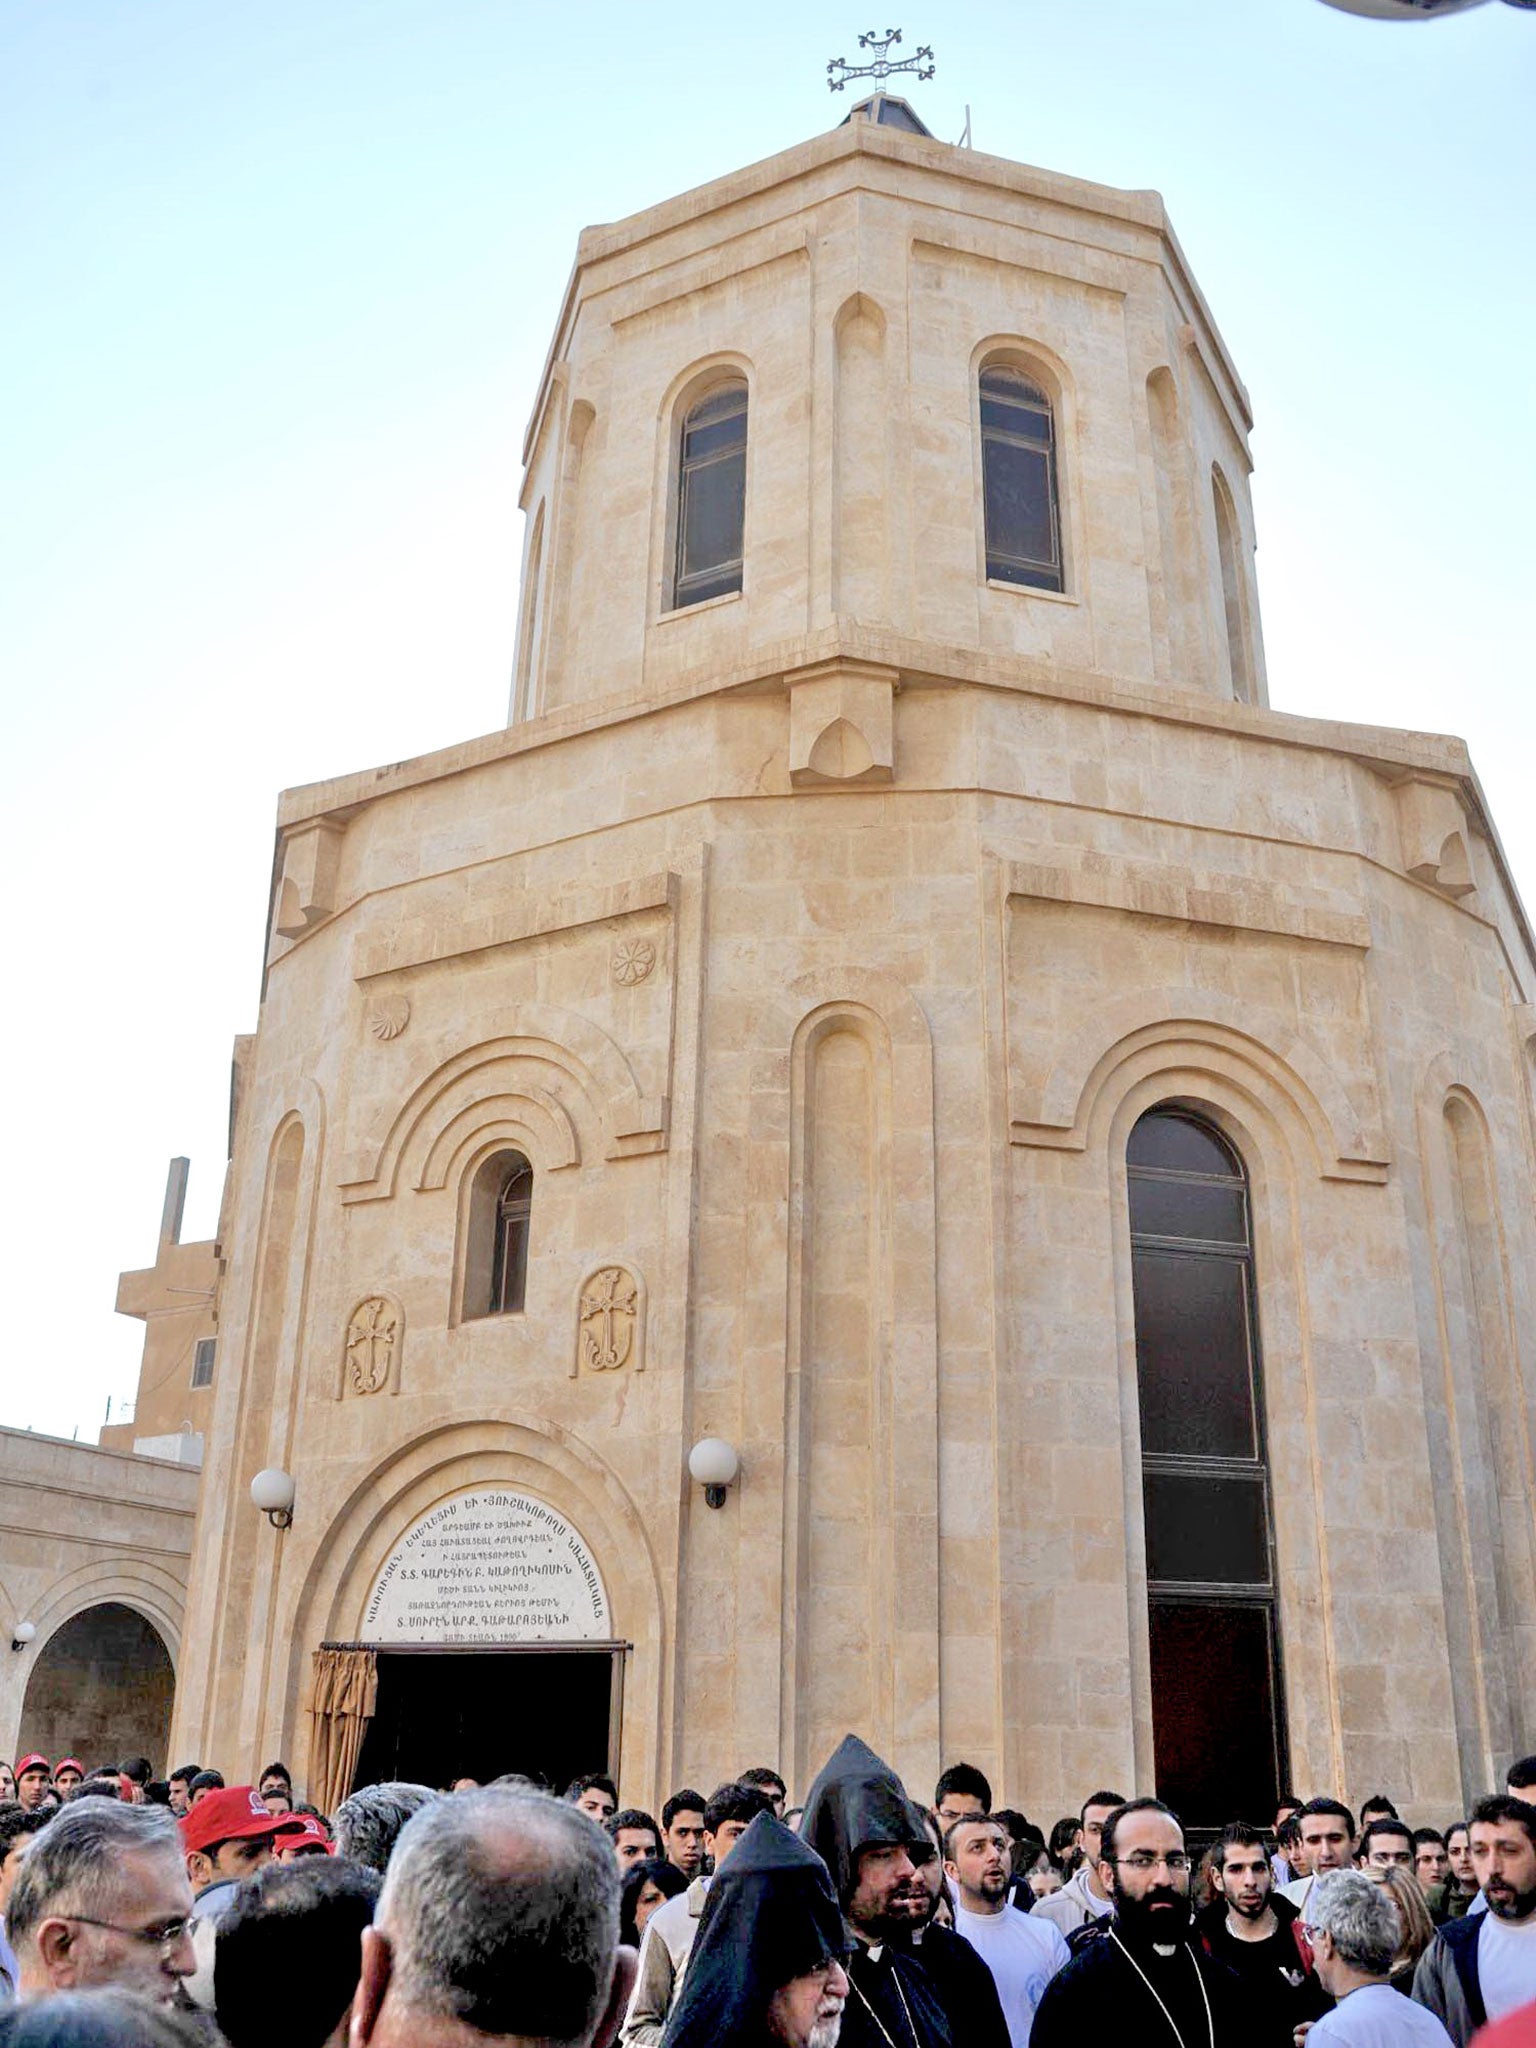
pixel 1257 1934
pixel 1142 1977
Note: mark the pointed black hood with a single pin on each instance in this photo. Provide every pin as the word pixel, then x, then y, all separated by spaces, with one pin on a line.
pixel 856 1801
pixel 770 1915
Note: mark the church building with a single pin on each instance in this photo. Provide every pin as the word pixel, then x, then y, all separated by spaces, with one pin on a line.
pixel 898 1151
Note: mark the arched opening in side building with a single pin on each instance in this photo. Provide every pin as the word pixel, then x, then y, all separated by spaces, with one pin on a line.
pixel 101 1689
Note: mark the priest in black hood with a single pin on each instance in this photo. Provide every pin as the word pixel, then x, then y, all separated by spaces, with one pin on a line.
pixel 861 1823
pixel 767 1961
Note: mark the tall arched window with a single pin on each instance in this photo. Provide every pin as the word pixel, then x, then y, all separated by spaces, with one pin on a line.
pixel 711 496
pixel 1020 491
pixel 496 1251
pixel 1216 1697
pixel 1234 607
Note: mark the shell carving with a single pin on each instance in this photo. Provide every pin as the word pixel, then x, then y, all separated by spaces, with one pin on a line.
pixel 389 1016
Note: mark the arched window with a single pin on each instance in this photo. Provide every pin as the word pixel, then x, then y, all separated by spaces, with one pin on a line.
pixel 496 1261
pixel 1019 484
pixel 711 496
pixel 1234 607
pixel 1216 1697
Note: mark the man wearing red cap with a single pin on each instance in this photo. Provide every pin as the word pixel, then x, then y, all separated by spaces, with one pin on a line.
pixel 32 1780
pixel 305 1836
pixel 226 1835
pixel 68 1772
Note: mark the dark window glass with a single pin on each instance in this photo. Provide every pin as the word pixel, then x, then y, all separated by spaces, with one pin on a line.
pixel 202 1361
pixel 711 497
pixel 1214 1211
pixel 1206 1528
pixel 1216 1737
pixel 1181 1145
pixel 509 1272
pixel 1019 487
pixel 1192 1354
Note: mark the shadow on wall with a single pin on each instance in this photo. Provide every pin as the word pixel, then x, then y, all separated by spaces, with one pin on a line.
pixel 100 1689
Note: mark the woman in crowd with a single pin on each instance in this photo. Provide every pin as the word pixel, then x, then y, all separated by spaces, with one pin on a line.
pixel 646 1886
pixel 1413 1915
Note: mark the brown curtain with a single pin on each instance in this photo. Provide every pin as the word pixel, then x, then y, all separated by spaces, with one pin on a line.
pixel 342 1697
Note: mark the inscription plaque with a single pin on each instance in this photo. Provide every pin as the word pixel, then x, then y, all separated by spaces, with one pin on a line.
pixel 492 1566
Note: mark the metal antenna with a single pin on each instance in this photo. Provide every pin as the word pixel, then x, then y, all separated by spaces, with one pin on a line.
pixel 839 70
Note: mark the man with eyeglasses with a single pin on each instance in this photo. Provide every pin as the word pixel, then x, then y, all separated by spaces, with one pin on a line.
pixel 102 1898
pixel 1138 1975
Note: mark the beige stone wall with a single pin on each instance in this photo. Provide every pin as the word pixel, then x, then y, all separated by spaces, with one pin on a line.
pixel 89 1533
pixel 820 948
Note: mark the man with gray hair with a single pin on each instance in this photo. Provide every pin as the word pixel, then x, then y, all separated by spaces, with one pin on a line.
pixel 499 1920
pixel 1353 1928
pixel 368 1823
pixel 103 1898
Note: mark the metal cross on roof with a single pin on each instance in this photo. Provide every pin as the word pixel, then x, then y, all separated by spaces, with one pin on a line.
pixel 839 71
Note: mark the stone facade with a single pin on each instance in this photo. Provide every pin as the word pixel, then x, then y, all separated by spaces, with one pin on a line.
pixel 819 946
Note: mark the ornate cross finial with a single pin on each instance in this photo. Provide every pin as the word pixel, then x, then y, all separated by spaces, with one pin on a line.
pixel 839 71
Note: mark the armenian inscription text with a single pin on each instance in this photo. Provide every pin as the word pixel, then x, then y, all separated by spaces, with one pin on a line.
pixel 488 1567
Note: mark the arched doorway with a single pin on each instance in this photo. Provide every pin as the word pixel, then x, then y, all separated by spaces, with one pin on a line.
pixel 101 1689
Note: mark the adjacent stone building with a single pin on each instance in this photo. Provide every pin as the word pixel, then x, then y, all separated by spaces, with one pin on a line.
pixel 897 1000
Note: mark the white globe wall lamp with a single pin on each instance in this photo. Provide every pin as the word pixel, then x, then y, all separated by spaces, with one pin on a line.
pixel 22 1634
pixel 273 1492
pixel 713 1464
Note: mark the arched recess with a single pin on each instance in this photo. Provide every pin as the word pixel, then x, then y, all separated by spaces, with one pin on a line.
pixel 519 1450
pixel 530 616
pixel 849 1113
pixel 1269 1129
pixel 567 552
pixel 1479 1422
pixel 562 1069
pixel 1054 1104
pixel 1236 603
pixel 101 1684
pixel 861 424
pixel 1176 603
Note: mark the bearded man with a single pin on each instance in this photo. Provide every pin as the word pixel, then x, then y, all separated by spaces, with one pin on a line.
pixel 1139 1975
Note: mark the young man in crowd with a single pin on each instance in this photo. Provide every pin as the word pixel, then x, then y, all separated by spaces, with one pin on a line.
pixel 68 1773
pixel 962 1979
pixel 180 1782
pixel 1484 1965
pixel 293 1929
pixel 102 1898
pixel 682 1832
pixel 1286 1809
pixel 768 1964
pixel 962 1793
pixel 1256 1933
pixel 204 1783
pixel 1461 1879
pixel 498 1918
pixel 596 1795
pixel 1022 1952
pixel 1084 1896
pixel 670 1931
pixel 1141 1975
pixel 1386 1845
pixel 770 1782
pixel 1327 1834
pixel 1431 1866
pixel 1377 1807
pixel 16 1832
pixel 33 1777
pixel 1355 1933
pixel 635 1838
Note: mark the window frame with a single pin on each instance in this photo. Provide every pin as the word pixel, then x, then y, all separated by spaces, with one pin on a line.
pixel 481 1292
pixel 681 469
pixel 1039 579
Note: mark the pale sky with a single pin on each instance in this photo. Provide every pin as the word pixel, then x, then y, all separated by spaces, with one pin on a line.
pixel 278 280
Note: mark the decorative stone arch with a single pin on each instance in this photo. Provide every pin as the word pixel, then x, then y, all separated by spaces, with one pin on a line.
pixel 1272 1132
pixel 564 1072
pixel 1056 1104
pixel 518 1450
pixel 154 1593
pixel 69 1701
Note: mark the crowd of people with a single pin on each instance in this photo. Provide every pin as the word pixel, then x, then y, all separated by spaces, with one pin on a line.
pixel 145 1913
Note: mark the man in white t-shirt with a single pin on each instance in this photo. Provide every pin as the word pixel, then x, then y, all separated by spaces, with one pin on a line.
pixel 1022 1951
pixel 1353 1928
pixel 1483 1966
